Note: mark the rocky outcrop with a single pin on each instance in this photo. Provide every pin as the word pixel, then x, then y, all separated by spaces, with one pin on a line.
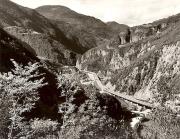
pixel 137 33
pixel 121 38
pixel 125 36
pixel 144 31
pixel 109 58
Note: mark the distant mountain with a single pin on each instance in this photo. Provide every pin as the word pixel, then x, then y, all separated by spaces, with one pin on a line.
pixel 84 31
pixel 15 15
pixel 80 21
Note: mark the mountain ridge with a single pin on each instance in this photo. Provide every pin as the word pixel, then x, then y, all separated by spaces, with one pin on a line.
pixel 86 30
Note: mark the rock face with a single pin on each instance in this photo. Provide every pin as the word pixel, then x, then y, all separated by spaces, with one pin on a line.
pixel 123 34
pixel 124 37
pixel 134 34
pixel 140 66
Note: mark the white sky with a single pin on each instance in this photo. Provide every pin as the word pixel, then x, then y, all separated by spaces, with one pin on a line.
pixel 130 12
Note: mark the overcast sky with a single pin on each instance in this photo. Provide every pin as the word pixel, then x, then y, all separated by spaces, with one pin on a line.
pixel 130 12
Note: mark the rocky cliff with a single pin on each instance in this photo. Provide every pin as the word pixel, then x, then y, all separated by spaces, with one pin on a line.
pixel 138 67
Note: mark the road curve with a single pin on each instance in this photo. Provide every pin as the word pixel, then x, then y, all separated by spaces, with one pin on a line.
pixel 93 76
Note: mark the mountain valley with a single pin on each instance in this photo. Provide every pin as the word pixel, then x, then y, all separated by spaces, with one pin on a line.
pixel 68 75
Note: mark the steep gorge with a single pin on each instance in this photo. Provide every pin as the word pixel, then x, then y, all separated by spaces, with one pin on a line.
pixel 138 67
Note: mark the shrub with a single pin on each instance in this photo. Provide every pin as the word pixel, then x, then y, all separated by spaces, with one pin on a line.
pixel 164 90
pixel 43 128
pixel 4 120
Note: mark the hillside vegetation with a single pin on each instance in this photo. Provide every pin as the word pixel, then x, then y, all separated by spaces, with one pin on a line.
pixel 58 69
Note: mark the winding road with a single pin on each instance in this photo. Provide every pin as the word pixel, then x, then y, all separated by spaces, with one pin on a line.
pixel 104 89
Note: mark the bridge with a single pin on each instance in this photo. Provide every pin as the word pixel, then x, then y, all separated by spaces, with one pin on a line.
pixel 103 89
